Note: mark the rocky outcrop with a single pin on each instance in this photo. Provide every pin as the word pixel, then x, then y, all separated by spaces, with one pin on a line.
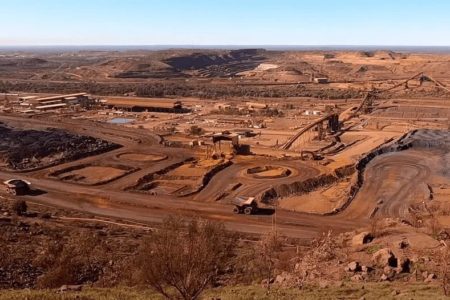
pixel 384 258
pixel 362 238
pixel 415 138
pixel 306 186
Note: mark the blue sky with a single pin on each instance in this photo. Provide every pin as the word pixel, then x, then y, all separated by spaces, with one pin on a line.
pixel 224 22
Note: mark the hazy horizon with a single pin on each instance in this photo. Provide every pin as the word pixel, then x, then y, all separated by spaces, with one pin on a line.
pixel 57 48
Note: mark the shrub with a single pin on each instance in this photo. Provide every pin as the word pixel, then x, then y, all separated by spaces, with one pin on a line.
pixel 81 259
pixel 269 250
pixel 445 271
pixel 180 261
pixel 19 207
pixel 195 130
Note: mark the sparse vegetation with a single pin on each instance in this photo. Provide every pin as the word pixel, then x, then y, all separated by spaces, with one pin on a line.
pixel 373 248
pixel 80 260
pixel 200 90
pixel 445 270
pixel 195 130
pixel 19 207
pixel 269 250
pixel 180 261
pixel 245 292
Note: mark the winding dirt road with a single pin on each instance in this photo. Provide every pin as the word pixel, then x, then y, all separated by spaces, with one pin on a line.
pixel 393 182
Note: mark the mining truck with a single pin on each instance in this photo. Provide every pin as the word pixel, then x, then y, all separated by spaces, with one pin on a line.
pixel 245 205
pixel 17 186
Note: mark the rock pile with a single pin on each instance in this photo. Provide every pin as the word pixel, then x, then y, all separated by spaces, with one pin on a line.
pixel 30 149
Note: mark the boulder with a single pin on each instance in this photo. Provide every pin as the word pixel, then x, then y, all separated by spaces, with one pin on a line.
pixel 430 278
pixel 362 238
pixel 357 278
pixel 353 267
pixel 385 257
pixel 384 277
pixel 265 282
pixel 395 292
pixel 389 272
pixel 70 288
pixel 366 269
pixel 284 279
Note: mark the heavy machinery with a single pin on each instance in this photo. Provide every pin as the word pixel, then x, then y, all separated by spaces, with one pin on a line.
pixel 246 205
pixel 17 186
pixel 310 155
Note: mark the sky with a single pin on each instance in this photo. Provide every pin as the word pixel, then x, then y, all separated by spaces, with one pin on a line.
pixel 225 22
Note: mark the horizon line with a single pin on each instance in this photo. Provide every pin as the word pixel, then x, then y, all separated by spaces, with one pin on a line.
pixel 430 49
pixel 275 45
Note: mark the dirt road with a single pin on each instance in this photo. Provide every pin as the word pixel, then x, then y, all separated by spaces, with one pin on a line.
pixel 147 208
pixel 392 183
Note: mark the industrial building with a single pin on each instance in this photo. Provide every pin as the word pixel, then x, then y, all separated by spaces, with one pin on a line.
pixel 54 102
pixel 33 103
pixel 146 105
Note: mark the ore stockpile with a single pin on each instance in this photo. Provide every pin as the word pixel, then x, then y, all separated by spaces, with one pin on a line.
pixel 30 149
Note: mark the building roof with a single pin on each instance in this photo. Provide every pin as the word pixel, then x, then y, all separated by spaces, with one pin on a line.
pixel 57 105
pixel 60 97
pixel 28 97
pixel 130 102
pixel 28 111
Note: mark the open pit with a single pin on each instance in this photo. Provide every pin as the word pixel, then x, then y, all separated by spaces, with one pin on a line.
pixel 278 110
pixel 92 174
pixel 388 179
pixel 141 157
pixel 23 149
pixel 269 172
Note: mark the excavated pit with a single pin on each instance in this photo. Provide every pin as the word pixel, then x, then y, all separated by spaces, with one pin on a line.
pixel 428 139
